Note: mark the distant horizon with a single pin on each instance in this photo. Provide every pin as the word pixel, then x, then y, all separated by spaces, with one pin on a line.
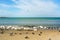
pixel 29 17
pixel 2 16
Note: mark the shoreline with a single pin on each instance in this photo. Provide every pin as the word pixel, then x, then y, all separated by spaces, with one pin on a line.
pixel 28 27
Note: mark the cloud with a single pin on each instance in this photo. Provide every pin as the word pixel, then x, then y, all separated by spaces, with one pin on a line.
pixel 33 8
pixel 4 5
pixel 3 13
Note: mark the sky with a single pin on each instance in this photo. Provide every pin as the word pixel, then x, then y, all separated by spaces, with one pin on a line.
pixel 29 8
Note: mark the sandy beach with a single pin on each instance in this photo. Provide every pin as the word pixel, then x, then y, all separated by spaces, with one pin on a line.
pixel 30 35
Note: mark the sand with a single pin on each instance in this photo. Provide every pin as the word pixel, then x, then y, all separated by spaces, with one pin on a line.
pixel 30 35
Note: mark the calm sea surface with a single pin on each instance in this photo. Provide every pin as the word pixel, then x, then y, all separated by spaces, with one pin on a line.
pixel 47 21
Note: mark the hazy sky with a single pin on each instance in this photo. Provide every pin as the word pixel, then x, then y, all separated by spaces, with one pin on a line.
pixel 30 8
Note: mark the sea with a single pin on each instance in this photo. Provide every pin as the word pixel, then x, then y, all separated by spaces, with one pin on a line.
pixel 43 21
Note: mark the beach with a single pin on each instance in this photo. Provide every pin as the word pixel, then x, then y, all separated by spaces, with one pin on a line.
pixel 34 28
pixel 30 35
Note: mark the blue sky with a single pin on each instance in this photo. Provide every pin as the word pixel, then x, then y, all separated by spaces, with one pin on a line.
pixel 30 8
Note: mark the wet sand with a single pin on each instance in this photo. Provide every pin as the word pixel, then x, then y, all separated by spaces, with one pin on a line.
pixel 30 35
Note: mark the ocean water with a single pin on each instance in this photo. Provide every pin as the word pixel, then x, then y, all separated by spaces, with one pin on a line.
pixel 45 21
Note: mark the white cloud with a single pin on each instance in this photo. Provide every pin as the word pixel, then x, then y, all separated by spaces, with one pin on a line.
pixel 3 13
pixel 35 7
pixel 5 5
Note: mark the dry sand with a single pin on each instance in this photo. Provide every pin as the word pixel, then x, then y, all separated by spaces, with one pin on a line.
pixel 31 35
